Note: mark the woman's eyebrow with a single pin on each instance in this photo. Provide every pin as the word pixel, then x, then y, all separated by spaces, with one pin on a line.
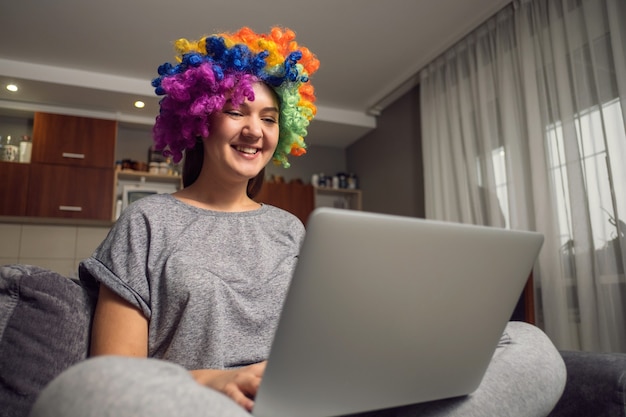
pixel 264 109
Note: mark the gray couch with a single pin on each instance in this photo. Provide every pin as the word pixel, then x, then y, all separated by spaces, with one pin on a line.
pixel 44 328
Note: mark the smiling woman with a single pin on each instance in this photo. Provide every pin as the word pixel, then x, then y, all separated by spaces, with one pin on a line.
pixel 197 278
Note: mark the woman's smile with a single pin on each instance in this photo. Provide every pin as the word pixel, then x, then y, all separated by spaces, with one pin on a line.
pixel 246 149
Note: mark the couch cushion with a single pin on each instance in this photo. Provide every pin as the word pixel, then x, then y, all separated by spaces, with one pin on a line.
pixel 44 328
pixel 596 385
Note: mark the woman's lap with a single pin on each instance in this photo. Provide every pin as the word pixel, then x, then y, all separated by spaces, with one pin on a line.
pixel 525 378
pixel 121 386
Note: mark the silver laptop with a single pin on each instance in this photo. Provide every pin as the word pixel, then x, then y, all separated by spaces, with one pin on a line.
pixel 385 311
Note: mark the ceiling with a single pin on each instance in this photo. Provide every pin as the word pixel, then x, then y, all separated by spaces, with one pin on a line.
pixel 95 58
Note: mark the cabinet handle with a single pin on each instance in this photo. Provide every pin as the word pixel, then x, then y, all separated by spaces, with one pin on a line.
pixel 73 155
pixel 70 208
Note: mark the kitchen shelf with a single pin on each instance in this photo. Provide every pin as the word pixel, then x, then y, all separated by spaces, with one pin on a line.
pixel 132 175
pixel 346 198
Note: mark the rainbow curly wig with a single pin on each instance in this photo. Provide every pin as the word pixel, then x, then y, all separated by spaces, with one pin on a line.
pixel 225 66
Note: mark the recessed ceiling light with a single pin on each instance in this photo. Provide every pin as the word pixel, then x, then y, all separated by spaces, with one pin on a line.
pixel 12 87
pixel 140 104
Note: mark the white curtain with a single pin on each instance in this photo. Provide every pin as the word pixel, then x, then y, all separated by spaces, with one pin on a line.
pixel 524 127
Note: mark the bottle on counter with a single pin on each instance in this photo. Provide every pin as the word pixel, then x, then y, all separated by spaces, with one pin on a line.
pixel 26 148
pixel 353 181
pixel 343 180
pixel 322 180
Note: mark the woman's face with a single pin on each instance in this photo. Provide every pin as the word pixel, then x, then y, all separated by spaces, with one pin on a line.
pixel 243 139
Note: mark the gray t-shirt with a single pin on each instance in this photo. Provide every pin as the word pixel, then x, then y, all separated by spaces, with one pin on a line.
pixel 211 284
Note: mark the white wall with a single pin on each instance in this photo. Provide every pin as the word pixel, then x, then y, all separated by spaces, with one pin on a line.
pixel 58 248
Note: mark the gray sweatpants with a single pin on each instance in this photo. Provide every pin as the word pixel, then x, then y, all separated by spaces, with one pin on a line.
pixel 525 378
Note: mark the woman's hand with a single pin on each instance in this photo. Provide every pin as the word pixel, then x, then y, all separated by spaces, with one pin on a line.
pixel 239 384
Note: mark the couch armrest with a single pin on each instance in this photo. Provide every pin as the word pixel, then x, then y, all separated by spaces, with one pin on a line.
pixel 596 385
pixel 44 328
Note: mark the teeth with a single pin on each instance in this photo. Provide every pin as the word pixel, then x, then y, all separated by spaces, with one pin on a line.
pixel 247 150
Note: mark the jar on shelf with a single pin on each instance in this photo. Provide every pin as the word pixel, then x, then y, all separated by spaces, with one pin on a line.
pixel 9 149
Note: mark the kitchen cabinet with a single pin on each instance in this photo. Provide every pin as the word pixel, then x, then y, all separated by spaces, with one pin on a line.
pixel 301 199
pixel 13 188
pixel 73 141
pixel 61 191
pixel 72 167
pixel 295 197
pixel 71 174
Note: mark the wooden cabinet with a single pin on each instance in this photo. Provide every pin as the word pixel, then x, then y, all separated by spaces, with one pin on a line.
pixel 72 167
pixel 71 174
pixel 14 181
pixel 301 199
pixel 295 197
pixel 61 191
pixel 74 141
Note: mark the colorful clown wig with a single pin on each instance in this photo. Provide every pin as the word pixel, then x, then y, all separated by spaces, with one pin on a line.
pixel 224 67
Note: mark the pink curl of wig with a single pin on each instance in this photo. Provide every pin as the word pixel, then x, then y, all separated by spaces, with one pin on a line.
pixel 193 96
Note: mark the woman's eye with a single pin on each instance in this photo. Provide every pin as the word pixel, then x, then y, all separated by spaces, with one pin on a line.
pixel 233 113
pixel 269 120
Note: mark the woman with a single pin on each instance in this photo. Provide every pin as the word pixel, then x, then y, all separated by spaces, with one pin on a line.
pixel 196 279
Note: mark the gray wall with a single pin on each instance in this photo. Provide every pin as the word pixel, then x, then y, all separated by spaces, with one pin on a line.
pixel 318 159
pixel 388 160
pixel 133 142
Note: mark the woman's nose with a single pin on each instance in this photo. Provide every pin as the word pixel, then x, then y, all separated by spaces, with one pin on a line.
pixel 253 130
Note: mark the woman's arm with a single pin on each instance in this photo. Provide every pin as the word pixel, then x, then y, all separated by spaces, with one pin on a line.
pixel 119 328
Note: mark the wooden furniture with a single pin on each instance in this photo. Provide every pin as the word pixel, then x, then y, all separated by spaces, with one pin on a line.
pixel 71 171
pixel 61 191
pixel 295 197
pixel 338 198
pixel 146 177
pixel 73 141
pixel 301 199
pixel 529 300
pixel 14 180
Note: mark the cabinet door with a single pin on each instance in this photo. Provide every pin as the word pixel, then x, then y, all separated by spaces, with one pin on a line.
pixel 60 191
pixel 13 188
pixel 294 197
pixel 72 140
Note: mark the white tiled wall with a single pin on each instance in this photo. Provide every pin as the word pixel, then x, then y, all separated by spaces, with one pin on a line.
pixel 59 248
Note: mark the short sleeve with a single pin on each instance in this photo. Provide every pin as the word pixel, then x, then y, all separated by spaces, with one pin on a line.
pixel 121 262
